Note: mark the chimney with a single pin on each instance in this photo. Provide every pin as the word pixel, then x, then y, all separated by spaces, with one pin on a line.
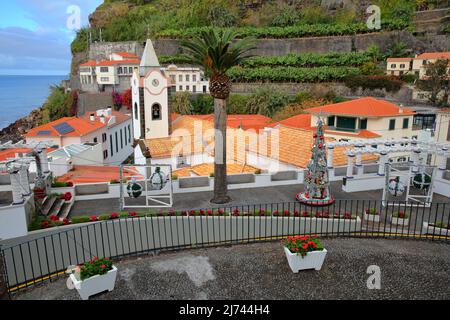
pixel 400 110
pixel 102 119
pixel 92 117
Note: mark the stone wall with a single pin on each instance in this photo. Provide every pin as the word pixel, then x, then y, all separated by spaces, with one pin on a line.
pixel 93 101
pixel 404 95
pixel 273 47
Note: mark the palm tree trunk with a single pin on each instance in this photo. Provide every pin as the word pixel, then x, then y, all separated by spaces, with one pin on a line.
pixel 220 152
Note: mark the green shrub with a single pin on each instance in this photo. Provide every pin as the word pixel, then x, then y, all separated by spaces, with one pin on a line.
pixel 374 82
pixel 291 74
pixel 202 104
pixel 103 217
pixel 80 219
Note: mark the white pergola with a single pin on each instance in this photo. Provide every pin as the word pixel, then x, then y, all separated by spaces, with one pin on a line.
pixel 18 167
pixel 384 147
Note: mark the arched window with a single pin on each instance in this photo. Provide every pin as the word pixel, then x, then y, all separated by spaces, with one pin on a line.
pixel 120 70
pixel 156 112
pixel 136 111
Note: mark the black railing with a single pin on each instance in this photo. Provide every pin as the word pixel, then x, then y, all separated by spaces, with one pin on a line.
pixel 47 256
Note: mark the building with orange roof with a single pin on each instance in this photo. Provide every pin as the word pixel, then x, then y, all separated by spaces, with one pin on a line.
pixel 109 75
pixel 364 118
pixel 416 66
pixel 96 174
pixel 111 129
pixel 399 66
pixel 423 59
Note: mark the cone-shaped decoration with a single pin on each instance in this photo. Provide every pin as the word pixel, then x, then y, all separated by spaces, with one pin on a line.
pixel 317 184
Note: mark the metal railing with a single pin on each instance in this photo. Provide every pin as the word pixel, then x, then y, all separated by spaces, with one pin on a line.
pixel 46 257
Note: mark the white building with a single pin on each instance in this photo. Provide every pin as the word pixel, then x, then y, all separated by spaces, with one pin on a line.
pixel 187 79
pixel 108 75
pixel 111 129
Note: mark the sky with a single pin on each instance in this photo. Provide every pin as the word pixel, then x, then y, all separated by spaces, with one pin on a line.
pixel 35 36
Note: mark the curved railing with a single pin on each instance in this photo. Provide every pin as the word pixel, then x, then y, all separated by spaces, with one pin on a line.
pixel 46 255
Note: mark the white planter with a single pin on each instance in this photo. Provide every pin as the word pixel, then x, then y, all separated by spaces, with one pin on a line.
pixel 372 217
pixel 400 221
pixel 312 260
pixel 429 229
pixel 95 284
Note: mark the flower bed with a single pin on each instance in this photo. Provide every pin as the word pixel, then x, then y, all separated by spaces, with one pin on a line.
pixel 316 216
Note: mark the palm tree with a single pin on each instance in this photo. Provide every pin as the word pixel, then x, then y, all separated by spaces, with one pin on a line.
pixel 217 52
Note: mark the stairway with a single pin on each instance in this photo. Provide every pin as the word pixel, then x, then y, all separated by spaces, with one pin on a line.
pixel 53 205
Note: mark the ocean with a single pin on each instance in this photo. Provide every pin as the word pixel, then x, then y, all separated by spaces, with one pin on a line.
pixel 19 95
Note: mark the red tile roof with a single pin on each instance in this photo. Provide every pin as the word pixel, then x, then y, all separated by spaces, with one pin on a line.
pixel 126 55
pixel 120 117
pixel 363 107
pixel 300 121
pixel 303 121
pixel 11 153
pixel 434 55
pixel 399 59
pixel 81 127
pixel 244 121
pixel 92 174
pixel 90 63
pixel 115 62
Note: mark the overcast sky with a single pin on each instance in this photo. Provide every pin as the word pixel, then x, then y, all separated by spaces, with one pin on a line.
pixel 34 37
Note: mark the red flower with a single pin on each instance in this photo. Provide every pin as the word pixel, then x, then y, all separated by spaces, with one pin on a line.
pixel 296 214
pixel 66 221
pixel 95 259
pixel 337 215
pixel 69 184
pixel 132 214
pixel 114 215
pixel 54 218
pixel 347 215
pixel 171 213
pixel 275 213
pixel 236 212
pixel 305 214
pixel 210 212
pixel 45 224
pixel 93 218
pixel 304 246
pixel 287 213
pixel 401 214
pixel 318 214
pixel 192 213
pixel 202 212
pixel 103 266
pixel 221 212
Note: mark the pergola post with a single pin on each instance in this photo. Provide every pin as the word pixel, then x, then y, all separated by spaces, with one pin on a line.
pixel 359 166
pixel 350 157
pixel 382 164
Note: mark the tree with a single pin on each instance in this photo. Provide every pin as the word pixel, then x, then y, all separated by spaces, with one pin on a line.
pixel 126 99
pixel 437 79
pixel 396 49
pixel 217 52
pixel 181 103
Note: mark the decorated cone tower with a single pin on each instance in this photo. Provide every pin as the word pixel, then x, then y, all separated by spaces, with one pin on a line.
pixel 317 185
